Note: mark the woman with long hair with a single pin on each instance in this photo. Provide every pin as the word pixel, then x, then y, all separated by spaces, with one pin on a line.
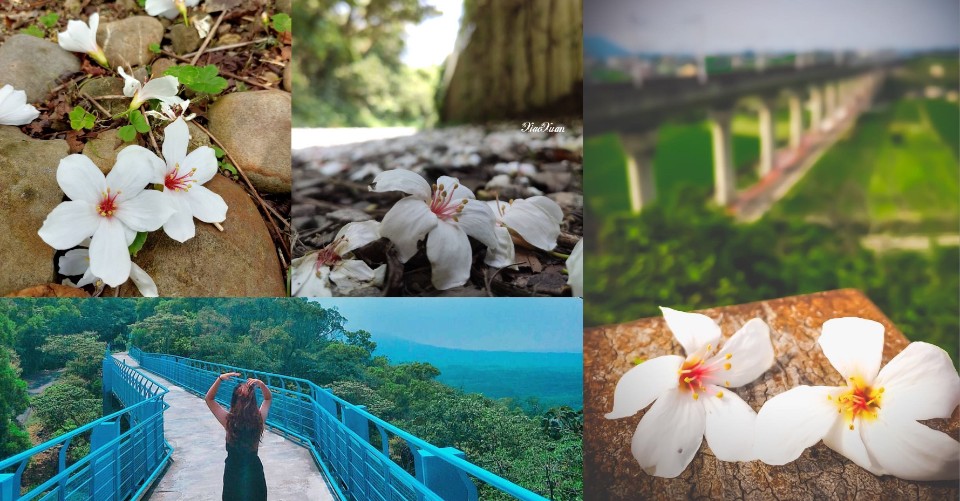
pixel 243 472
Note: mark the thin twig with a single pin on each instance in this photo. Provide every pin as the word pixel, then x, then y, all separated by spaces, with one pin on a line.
pixel 153 140
pixel 94 102
pixel 206 41
pixel 230 46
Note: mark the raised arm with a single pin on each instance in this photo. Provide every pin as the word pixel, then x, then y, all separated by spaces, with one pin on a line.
pixel 211 398
pixel 267 398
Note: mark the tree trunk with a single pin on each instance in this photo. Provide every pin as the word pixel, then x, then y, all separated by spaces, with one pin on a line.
pixel 611 472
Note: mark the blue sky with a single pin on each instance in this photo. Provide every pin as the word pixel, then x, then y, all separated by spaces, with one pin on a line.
pixel 736 25
pixel 510 324
pixel 430 42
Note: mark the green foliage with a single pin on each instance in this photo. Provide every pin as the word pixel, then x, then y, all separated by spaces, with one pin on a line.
pixel 204 80
pixel 138 243
pixel 154 48
pixel 81 354
pixel 127 133
pixel 138 121
pixel 81 119
pixel 65 406
pixel 13 401
pixel 49 20
pixel 281 22
pixel 33 30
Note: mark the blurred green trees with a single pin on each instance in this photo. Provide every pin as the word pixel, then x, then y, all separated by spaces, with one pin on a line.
pixel 347 67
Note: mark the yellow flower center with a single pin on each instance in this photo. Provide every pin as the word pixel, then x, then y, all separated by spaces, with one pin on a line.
pixel 860 400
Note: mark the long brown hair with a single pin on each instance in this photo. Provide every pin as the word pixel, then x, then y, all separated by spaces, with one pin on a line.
pixel 244 424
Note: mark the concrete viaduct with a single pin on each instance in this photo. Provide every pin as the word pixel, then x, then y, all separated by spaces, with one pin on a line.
pixel 830 92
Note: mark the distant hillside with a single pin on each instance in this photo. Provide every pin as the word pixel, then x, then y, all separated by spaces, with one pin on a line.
pixel 553 378
pixel 602 48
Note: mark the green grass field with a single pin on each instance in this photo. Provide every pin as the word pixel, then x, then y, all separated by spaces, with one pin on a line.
pixel 897 171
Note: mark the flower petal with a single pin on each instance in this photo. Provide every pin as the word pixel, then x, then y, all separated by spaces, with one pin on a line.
pixel 137 155
pixel 355 235
pixel 80 179
pixel 179 226
pixel 730 425
pixel 751 354
pixel 849 443
pixel 537 220
pixel 204 160
pixel 136 167
pixel 352 274
pixel 503 254
pixel 130 85
pixel 176 136
pixel 854 346
pixel 143 281
pixel 575 269
pixel 450 255
pixel 206 205
pixel 459 192
pixel 74 262
pixel 304 280
pixel 477 220
pixel 692 330
pixel 402 180
pixel 146 211
pixel 163 88
pixel 792 421
pixel 109 256
pixel 669 434
pixel 406 223
pixel 68 224
pixel 920 383
pixel 643 384
pixel 910 450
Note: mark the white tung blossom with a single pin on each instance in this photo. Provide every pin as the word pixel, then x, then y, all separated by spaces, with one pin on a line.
pixel 80 37
pixel 14 109
pixel 163 89
pixel 535 221
pixel 76 262
pixel 169 8
pixel 332 270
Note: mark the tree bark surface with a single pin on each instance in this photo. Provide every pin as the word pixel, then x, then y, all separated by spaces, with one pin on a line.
pixel 611 472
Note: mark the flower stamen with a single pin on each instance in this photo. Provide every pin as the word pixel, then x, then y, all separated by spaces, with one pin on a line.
pixel 176 182
pixel 108 203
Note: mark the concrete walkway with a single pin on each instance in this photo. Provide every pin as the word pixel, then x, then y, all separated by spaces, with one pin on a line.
pixel 196 471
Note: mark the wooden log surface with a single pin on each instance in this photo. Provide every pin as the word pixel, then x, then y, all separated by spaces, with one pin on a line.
pixel 611 472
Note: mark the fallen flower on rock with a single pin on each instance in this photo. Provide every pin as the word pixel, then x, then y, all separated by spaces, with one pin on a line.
pixel 170 8
pixel 110 209
pixel 534 220
pixel 76 262
pixel 872 420
pixel 332 269
pixel 445 214
pixel 163 89
pixel 80 37
pixel 170 112
pixel 690 395
pixel 14 109
pixel 575 269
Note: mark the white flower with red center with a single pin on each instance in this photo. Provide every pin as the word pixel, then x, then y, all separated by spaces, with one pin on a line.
pixel 169 8
pixel 80 37
pixel 445 214
pixel 14 109
pixel 182 177
pixel 575 269
pixel 332 270
pixel 691 396
pixel 872 419
pixel 76 262
pixel 535 221
pixel 163 89
pixel 110 209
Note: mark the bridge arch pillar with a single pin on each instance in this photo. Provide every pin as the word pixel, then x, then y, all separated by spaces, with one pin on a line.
pixel 641 180
pixel 724 175
pixel 816 108
pixel 830 101
pixel 795 103
pixel 768 137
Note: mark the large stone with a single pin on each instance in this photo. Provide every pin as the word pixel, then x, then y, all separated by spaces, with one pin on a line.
pixel 100 87
pixel 255 129
pixel 184 39
pixel 33 65
pixel 103 150
pixel 28 192
pixel 127 42
pixel 239 261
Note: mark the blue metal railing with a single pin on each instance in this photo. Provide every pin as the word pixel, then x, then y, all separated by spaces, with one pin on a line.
pixel 127 448
pixel 352 446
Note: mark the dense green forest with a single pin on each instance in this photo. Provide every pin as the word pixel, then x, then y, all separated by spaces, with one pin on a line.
pixel 347 67
pixel 541 450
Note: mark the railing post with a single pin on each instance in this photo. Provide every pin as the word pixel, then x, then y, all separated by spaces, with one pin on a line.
pixel 441 477
pixel 107 381
pixel 105 466
pixel 359 424
pixel 9 487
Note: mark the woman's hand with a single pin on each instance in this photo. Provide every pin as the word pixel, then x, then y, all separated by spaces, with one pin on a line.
pixel 228 375
pixel 256 381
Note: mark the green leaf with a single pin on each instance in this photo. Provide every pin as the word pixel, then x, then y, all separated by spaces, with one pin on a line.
pixel 205 79
pixel 227 166
pixel 128 133
pixel 138 243
pixel 139 121
pixel 33 30
pixel 49 19
pixel 281 22
pixel 217 151
pixel 154 47
pixel 81 119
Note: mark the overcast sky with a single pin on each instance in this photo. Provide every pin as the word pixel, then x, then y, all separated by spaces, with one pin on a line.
pixel 736 25
pixel 430 42
pixel 498 324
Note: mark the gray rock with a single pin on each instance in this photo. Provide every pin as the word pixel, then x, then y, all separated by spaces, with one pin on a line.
pixel 159 66
pixel 99 87
pixel 198 137
pixel 28 192
pixel 220 5
pixel 284 5
pixel 255 129
pixel 103 150
pixel 127 41
pixel 196 268
pixel 184 39
pixel 288 78
pixel 33 65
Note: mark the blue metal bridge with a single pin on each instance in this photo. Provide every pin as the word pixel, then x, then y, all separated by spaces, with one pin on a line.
pixel 355 450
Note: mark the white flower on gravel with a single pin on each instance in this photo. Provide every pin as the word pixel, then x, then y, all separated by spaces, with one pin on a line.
pixel 76 262
pixel 111 209
pixel 872 420
pixel 182 177
pixel 535 220
pixel 690 396
pixel 575 269
pixel 171 111
pixel 169 8
pixel 316 274
pixel 515 169
pixel 14 109
pixel 80 37
pixel 163 89
pixel 445 214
